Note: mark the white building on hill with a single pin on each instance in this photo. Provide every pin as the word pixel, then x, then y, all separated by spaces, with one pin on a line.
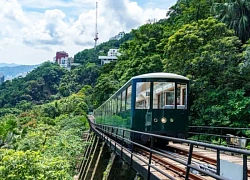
pixel 118 36
pixel 112 55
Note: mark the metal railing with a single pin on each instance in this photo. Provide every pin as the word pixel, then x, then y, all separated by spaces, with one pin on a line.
pixel 227 136
pixel 111 135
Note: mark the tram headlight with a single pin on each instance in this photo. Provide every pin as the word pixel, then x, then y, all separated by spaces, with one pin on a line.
pixel 171 120
pixel 163 120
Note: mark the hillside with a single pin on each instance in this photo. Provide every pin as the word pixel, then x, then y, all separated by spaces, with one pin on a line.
pixel 39 86
pixel 186 44
pixel 16 70
pixel 43 115
pixel 8 65
pixel 194 44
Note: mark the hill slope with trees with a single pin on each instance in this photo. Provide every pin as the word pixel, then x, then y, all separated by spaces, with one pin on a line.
pixel 193 43
pixel 43 114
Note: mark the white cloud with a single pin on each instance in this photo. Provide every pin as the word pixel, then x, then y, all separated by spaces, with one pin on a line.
pixel 10 10
pixel 35 30
pixel 48 4
pixel 50 30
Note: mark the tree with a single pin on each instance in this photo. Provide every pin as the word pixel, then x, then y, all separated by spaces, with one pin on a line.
pixel 210 55
pixel 37 86
pixel 236 14
pixel 22 165
pixel 9 131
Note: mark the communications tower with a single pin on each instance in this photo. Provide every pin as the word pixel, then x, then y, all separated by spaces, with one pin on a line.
pixel 96 33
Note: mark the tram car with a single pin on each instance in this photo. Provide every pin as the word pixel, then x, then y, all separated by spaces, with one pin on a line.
pixel 154 103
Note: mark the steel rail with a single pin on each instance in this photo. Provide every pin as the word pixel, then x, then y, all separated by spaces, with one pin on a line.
pixel 200 157
pixel 180 171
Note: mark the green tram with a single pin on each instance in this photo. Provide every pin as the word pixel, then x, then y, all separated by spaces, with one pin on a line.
pixel 154 103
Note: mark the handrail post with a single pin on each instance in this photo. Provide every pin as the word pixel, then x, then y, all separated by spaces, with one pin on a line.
pixel 132 151
pixel 101 131
pixel 199 136
pixel 221 130
pixel 111 135
pixel 189 160
pixel 122 142
pixel 245 167
pixel 105 131
pixel 116 138
pixel 218 162
pixel 150 156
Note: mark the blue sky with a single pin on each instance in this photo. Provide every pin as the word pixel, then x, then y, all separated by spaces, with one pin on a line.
pixel 32 31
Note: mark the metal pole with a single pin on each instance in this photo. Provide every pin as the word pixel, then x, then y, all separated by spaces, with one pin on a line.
pixel 244 167
pixel 110 137
pixel 218 162
pixel 220 135
pixel 116 139
pixel 189 160
pixel 122 142
pixel 150 156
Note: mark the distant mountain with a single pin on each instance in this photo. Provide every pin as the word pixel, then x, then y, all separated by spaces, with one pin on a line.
pixel 8 65
pixel 17 70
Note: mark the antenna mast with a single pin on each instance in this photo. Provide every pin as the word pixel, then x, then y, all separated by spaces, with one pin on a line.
pixel 96 33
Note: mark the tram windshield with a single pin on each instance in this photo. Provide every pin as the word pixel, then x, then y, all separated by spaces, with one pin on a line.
pixel 164 94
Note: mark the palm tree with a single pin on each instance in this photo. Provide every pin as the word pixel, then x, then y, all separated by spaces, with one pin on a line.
pixel 236 14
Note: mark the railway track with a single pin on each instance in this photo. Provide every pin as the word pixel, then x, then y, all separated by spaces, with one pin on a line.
pixel 197 156
pixel 199 160
pixel 177 169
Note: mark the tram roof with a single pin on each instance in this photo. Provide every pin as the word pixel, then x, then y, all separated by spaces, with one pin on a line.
pixel 160 75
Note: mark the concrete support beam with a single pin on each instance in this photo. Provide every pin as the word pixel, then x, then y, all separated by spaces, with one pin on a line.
pixel 100 163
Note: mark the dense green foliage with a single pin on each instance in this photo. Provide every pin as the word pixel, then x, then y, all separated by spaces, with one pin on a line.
pixel 194 44
pixel 236 14
pixel 44 142
pixel 74 80
pixel 43 115
pixel 213 63
pixel 38 86
pixel 46 83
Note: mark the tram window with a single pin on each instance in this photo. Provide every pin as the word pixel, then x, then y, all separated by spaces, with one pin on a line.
pixel 163 95
pixel 181 96
pixel 142 95
pixel 104 109
pixel 115 105
pixel 107 109
pixel 128 99
pixel 119 103
pixel 110 107
pixel 123 100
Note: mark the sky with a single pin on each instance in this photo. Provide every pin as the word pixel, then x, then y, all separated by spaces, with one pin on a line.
pixel 32 31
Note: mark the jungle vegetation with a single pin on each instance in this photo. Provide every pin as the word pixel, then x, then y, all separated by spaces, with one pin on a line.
pixel 207 41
